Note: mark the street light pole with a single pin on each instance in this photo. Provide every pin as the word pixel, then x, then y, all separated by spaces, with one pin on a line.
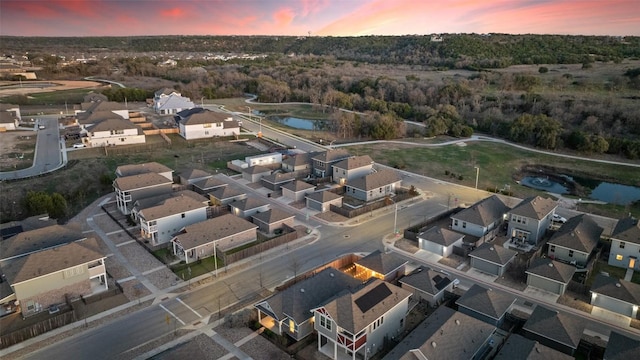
pixel 395 221
pixel 477 174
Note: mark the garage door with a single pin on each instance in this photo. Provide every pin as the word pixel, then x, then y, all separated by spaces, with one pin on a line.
pixel 613 305
pixel 484 266
pixel 544 284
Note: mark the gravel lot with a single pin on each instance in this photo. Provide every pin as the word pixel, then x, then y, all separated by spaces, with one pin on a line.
pixel 120 238
pixel 105 223
pixel 201 347
pixel 163 278
pixel 139 257
pixel 134 289
pixel 115 269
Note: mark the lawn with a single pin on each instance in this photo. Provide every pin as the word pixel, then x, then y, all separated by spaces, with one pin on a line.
pixel 613 271
pixel 203 266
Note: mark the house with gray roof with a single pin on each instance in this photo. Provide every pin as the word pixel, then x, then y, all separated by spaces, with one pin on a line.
pixel 254 173
pixel 445 334
pixel 621 347
pixel 8 122
pixel 530 219
pixel 300 163
pixel 288 311
pixel 207 185
pixel 160 222
pixel 322 200
pixel 617 295
pixel 439 241
pixel 323 161
pixel 625 244
pixel 549 275
pixel 31 241
pixel 384 266
pixel 91 112
pixel 129 189
pixel 272 220
pixel 352 168
pixel 276 180
pixel 374 186
pixel 482 219
pixel 207 238
pixel 575 241
pixel 248 207
pixel 492 258
pixel 554 329
pixel 519 347
pixel 355 324
pixel 113 131
pixel 427 285
pixel 208 124
pixel 171 103
pixel 144 168
pixel 49 277
pixel 486 304
pixel 192 175
pixel 224 195
pixel 297 190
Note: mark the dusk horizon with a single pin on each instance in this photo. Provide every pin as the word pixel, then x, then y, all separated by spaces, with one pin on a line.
pixel 116 18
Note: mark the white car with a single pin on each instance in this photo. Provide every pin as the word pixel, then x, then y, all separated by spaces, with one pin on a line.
pixel 41 127
pixel 559 219
pixel 79 145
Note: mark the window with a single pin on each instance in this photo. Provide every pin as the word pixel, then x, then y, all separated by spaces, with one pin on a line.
pixel 619 257
pixel 455 222
pixel 376 324
pixel 621 245
pixel 183 215
pixel 74 271
pixel 206 125
pixel 570 253
pixel 552 248
pixel 325 322
pixel 464 224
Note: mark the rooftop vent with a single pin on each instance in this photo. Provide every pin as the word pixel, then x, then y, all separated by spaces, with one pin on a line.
pixel 457 322
pixel 618 285
pixel 550 264
pixel 491 248
pixel 301 290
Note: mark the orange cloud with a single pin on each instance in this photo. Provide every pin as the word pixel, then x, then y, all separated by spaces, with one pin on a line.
pixel 284 16
pixel 173 13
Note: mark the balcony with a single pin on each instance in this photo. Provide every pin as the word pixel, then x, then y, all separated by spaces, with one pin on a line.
pixel 96 269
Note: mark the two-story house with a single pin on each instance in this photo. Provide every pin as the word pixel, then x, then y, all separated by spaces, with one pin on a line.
pixel 168 101
pixel 374 186
pixel 299 163
pixel 10 116
pixel 128 189
pixel 49 277
pixel 482 219
pixel 575 240
pixel 356 324
pixel 289 311
pixel 144 168
pixel 113 131
pixel 625 244
pixel 530 219
pixel 619 296
pixel 208 124
pixel 159 223
pixel 322 162
pixel 352 168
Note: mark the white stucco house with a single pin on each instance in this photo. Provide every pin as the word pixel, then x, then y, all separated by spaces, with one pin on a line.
pixel 208 124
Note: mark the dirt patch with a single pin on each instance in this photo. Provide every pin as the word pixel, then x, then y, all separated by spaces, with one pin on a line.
pixel 16 149
pixel 330 216
pixel 48 86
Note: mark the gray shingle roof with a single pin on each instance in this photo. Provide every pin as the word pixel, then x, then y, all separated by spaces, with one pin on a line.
pixel 616 288
pixel 300 298
pixel 272 215
pixel 354 162
pixel 486 301
pixel 226 192
pixel 205 117
pixel 323 196
pixel 209 183
pixel 579 233
pixel 561 328
pixel 331 155
pixel 113 123
pixel 298 160
pixel 445 334
pixel 382 263
pixel 51 260
pixel 171 206
pixel 627 229
pixel 621 347
pixel 493 253
pixel 257 169
pixel 298 185
pixel 355 311
pixel 144 168
pixel 547 268
pixel 375 180
pixel 534 207
pixel 248 203
pixel 211 230
pixel 440 236
pixel 484 212
pixel 426 280
pixel 190 174
pixel 519 347
pixel 278 178
pixel 38 239
pixel 127 183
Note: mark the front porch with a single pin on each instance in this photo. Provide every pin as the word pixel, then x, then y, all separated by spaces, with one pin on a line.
pixel 336 351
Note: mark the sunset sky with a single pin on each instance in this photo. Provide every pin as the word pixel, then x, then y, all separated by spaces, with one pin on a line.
pixel 320 17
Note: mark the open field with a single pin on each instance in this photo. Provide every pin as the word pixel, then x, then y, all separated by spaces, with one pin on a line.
pixel 8 88
pixel 16 149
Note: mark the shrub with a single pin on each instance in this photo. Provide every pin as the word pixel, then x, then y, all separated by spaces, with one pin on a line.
pixel 543 70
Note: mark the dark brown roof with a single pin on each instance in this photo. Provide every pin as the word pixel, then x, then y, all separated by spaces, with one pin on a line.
pixel 205 117
pixel 133 182
pixel 257 169
pixel 226 192
pixel 51 260
pixel 484 212
pixel 248 203
pixel 579 233
pixel 272 215
pixel 323 196
pixel 297 160
pixel 279 177
pixel 534 207
pixel 628 230
pixel 375 180
pixel 616 288
pixel 493 253
pixel 486 301
pixel 441 236
pixel 354 162
pixel 559 327
pixel 114 123
pixel 211 230
pixel 298 185
pixel 144 168
pixel 190 174
pixel 553 270
pixel 382 263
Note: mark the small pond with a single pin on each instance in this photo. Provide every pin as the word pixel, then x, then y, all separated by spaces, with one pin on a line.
pixel 603 191
pixel 298 123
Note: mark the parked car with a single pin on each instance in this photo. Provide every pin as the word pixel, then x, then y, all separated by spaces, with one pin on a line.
pixel 41 127
pixel 559 219
pixel 79 145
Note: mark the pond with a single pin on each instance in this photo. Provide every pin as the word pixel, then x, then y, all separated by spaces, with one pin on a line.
pixel 298 123
pixel 600 190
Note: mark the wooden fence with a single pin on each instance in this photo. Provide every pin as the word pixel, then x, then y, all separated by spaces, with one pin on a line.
pixel 37 329
pixel 232 256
